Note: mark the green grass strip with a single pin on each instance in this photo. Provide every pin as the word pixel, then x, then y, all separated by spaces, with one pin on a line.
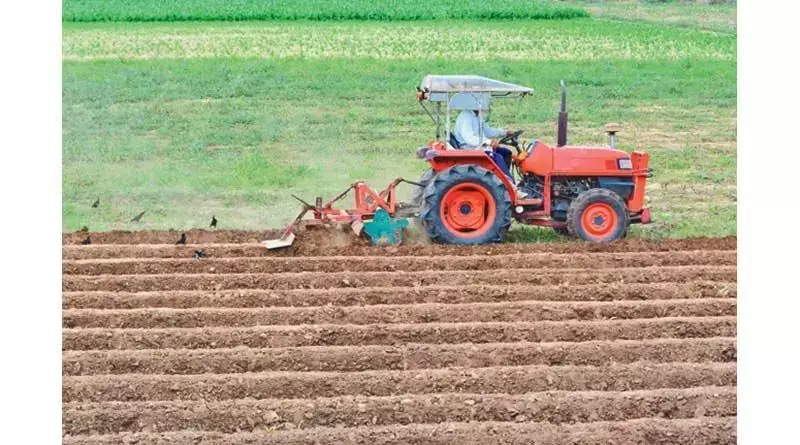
pixel 379 10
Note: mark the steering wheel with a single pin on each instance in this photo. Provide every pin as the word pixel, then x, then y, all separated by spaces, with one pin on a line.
pixel 512 140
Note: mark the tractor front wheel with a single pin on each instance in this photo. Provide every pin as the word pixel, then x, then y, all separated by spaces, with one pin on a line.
pixel 466 204
pixel 598 215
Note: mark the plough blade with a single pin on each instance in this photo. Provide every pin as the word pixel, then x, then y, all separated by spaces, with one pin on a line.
pixel 284 241
pixel 357 226
pixel 287 237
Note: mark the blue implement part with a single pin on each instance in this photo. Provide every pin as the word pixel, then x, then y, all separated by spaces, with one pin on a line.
pixel 385 230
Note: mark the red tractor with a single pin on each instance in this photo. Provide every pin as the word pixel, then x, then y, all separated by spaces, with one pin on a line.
pixel 465 197
pixel 593 193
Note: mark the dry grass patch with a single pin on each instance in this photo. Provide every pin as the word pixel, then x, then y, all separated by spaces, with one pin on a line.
pixel 578 40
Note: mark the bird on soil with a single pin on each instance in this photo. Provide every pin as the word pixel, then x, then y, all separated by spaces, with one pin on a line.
pixel 138 217
pixel 213 221
pixel 182 240
pixel 199 254
pixel 96 203
pixel 87 241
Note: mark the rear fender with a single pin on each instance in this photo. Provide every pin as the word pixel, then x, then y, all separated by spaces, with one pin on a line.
pixel 442 160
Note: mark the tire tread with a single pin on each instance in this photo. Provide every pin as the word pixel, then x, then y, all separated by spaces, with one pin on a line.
pixel 594 195
pixel 451 176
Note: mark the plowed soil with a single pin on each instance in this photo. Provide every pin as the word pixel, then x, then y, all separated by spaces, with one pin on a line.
pixel 332 343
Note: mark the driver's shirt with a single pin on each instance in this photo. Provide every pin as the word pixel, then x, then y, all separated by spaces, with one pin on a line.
pixel 467 131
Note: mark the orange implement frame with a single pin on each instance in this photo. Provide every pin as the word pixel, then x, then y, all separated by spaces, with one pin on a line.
pixel 366 202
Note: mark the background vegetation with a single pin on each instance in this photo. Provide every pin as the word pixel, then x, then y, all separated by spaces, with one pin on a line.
pixel 206 10
pixel 190 119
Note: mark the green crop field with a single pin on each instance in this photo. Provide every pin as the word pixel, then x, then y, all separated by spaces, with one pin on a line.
pixel 194 118
pixel 206 10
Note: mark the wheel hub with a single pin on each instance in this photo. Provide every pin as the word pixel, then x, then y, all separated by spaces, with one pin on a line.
pixel 599 220
pixel 468 209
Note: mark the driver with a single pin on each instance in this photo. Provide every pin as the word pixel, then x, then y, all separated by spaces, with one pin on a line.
pixel 468 128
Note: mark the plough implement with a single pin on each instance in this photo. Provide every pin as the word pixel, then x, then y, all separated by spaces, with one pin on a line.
pixel 376 215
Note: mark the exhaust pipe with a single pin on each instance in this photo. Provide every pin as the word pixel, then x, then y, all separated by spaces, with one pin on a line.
pixel 562 118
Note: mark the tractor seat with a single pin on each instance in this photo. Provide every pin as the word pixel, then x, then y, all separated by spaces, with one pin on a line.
pixel 454 142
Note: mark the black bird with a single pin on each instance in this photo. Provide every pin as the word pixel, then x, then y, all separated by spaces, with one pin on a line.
pixel 96 203
pixel 199 254
pixel 182 240
pixel 84 229
pixel 87 241
pixel 213 221
pixel 138 217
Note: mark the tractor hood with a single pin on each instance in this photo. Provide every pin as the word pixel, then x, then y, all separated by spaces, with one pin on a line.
pixel 575 160
pixel 599 160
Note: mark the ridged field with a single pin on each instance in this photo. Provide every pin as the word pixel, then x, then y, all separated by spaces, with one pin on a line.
pixel 632 343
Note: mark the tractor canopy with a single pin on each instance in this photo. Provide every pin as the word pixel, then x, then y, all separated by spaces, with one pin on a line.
pixel 462 92
pixel 437 87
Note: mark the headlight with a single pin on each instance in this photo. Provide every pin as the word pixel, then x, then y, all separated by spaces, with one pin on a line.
pixel 624 164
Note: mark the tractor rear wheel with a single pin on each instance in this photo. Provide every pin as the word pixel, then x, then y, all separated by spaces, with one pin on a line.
pixel 466 204
pixel 598 215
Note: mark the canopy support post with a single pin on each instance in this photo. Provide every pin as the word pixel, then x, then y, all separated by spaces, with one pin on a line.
pixel 447 117
pixel 480 126
pixel 427 111
pixel 438 119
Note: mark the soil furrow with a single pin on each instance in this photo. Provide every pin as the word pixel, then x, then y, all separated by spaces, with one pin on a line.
pixel 389 314
pixel 413 356
pixel 249 298
pixel 232 416
pixel 356 335
pixel 644 431
pixel 314 280
pixel 153 240
pixel 505 380
pixel 410 263
pixel 145 237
